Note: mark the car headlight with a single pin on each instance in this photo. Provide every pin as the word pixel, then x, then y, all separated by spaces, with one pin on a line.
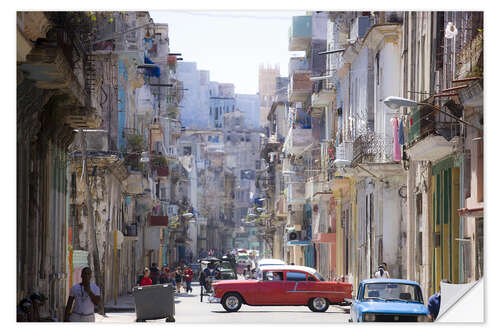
pixel 369 317
pixel 423 318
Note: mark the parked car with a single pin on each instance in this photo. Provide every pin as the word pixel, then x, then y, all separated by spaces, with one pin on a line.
pixel 388 300
pixel 282 285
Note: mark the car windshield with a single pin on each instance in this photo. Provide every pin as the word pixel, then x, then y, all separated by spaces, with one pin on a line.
pixel 318 276
pixel 392 292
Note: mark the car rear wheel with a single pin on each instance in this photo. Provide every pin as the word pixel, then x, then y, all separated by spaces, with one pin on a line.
pixel 231 302
pixel 318 304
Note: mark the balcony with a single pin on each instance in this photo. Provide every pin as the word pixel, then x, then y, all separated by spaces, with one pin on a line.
pixel 298 64
pixel 301 87
pixel 432 135
pixel 323 95
pixel 470 58
pixel 372 148
pixel 298 139
pixel 300 33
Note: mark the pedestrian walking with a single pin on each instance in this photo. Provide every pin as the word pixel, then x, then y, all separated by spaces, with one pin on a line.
pixel 82 299
pixel 155 273
pixel 178 278
pixel 434 303
pixel 381 273
pixel 145 280
pixel 188 277
pixel 164 276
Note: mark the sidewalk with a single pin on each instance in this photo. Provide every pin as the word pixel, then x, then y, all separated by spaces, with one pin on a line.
pixel 124 303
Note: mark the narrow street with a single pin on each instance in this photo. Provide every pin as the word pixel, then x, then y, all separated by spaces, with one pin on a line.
pixel 319 151
pixel 189 310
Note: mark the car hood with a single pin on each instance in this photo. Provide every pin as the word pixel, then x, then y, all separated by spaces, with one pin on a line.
pixel 392 307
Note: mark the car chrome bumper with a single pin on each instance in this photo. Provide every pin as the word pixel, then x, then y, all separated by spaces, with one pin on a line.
pixel 212 299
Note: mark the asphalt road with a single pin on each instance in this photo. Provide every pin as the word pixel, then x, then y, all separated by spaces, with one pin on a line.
pixel 189 310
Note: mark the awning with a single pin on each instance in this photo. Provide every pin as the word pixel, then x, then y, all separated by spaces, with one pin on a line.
pixel 298 243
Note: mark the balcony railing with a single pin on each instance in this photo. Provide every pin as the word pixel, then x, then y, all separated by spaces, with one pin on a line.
pixel 371 147
pixel 426 121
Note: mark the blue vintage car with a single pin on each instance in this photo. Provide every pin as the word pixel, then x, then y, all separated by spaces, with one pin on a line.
pixel 388 300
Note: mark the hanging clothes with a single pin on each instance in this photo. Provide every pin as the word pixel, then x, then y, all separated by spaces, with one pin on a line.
pixel 401 133
pixel 397 147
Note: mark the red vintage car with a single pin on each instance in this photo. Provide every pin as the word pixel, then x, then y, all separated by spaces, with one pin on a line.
pixel 282 285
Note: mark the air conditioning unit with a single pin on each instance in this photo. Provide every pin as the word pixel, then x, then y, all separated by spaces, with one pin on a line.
pixel 295 235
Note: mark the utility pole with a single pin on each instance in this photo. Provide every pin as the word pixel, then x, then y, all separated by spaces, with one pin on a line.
pixel 90 214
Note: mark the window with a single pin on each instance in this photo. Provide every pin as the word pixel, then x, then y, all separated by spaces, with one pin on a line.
pixel 296 276
pixel 311 278
pixel 187 151
pixel 274 276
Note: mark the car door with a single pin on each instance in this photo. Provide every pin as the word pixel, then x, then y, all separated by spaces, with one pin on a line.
pixel 297 287
pixel 356 304
pixel 270 291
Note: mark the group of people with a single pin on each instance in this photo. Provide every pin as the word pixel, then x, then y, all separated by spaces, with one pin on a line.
pixel 182 276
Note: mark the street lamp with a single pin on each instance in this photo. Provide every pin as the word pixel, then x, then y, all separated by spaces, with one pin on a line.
pixel 397 102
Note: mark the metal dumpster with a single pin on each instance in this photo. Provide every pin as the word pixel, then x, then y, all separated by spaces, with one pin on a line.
pixel 154 302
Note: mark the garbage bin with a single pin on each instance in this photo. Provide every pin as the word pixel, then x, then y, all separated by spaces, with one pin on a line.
pixel 154 302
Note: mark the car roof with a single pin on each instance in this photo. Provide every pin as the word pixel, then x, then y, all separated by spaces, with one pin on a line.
pixel 290 268
pixel 390 281
pixel 271 262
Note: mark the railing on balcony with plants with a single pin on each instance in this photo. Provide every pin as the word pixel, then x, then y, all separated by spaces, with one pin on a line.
pixel 371 148
pixel 425 121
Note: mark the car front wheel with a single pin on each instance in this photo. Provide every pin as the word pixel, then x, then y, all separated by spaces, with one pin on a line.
pixel 318 304
pixel 231 302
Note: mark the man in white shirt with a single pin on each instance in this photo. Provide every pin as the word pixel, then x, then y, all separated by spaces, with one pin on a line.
pixel 381 273
pixel 82 299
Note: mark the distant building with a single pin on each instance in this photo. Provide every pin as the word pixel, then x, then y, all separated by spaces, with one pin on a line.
pixel 195 106
pixel 267 84
pixel 250 106
pixel 222 101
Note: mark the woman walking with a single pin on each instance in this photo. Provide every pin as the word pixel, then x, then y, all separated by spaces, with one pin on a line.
pixel 178 278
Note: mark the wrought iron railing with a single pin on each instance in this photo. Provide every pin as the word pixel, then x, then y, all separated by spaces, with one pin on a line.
pixel 425 121
pixel 371 147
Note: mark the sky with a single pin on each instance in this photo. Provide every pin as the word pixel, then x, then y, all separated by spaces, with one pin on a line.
pixel 230 44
